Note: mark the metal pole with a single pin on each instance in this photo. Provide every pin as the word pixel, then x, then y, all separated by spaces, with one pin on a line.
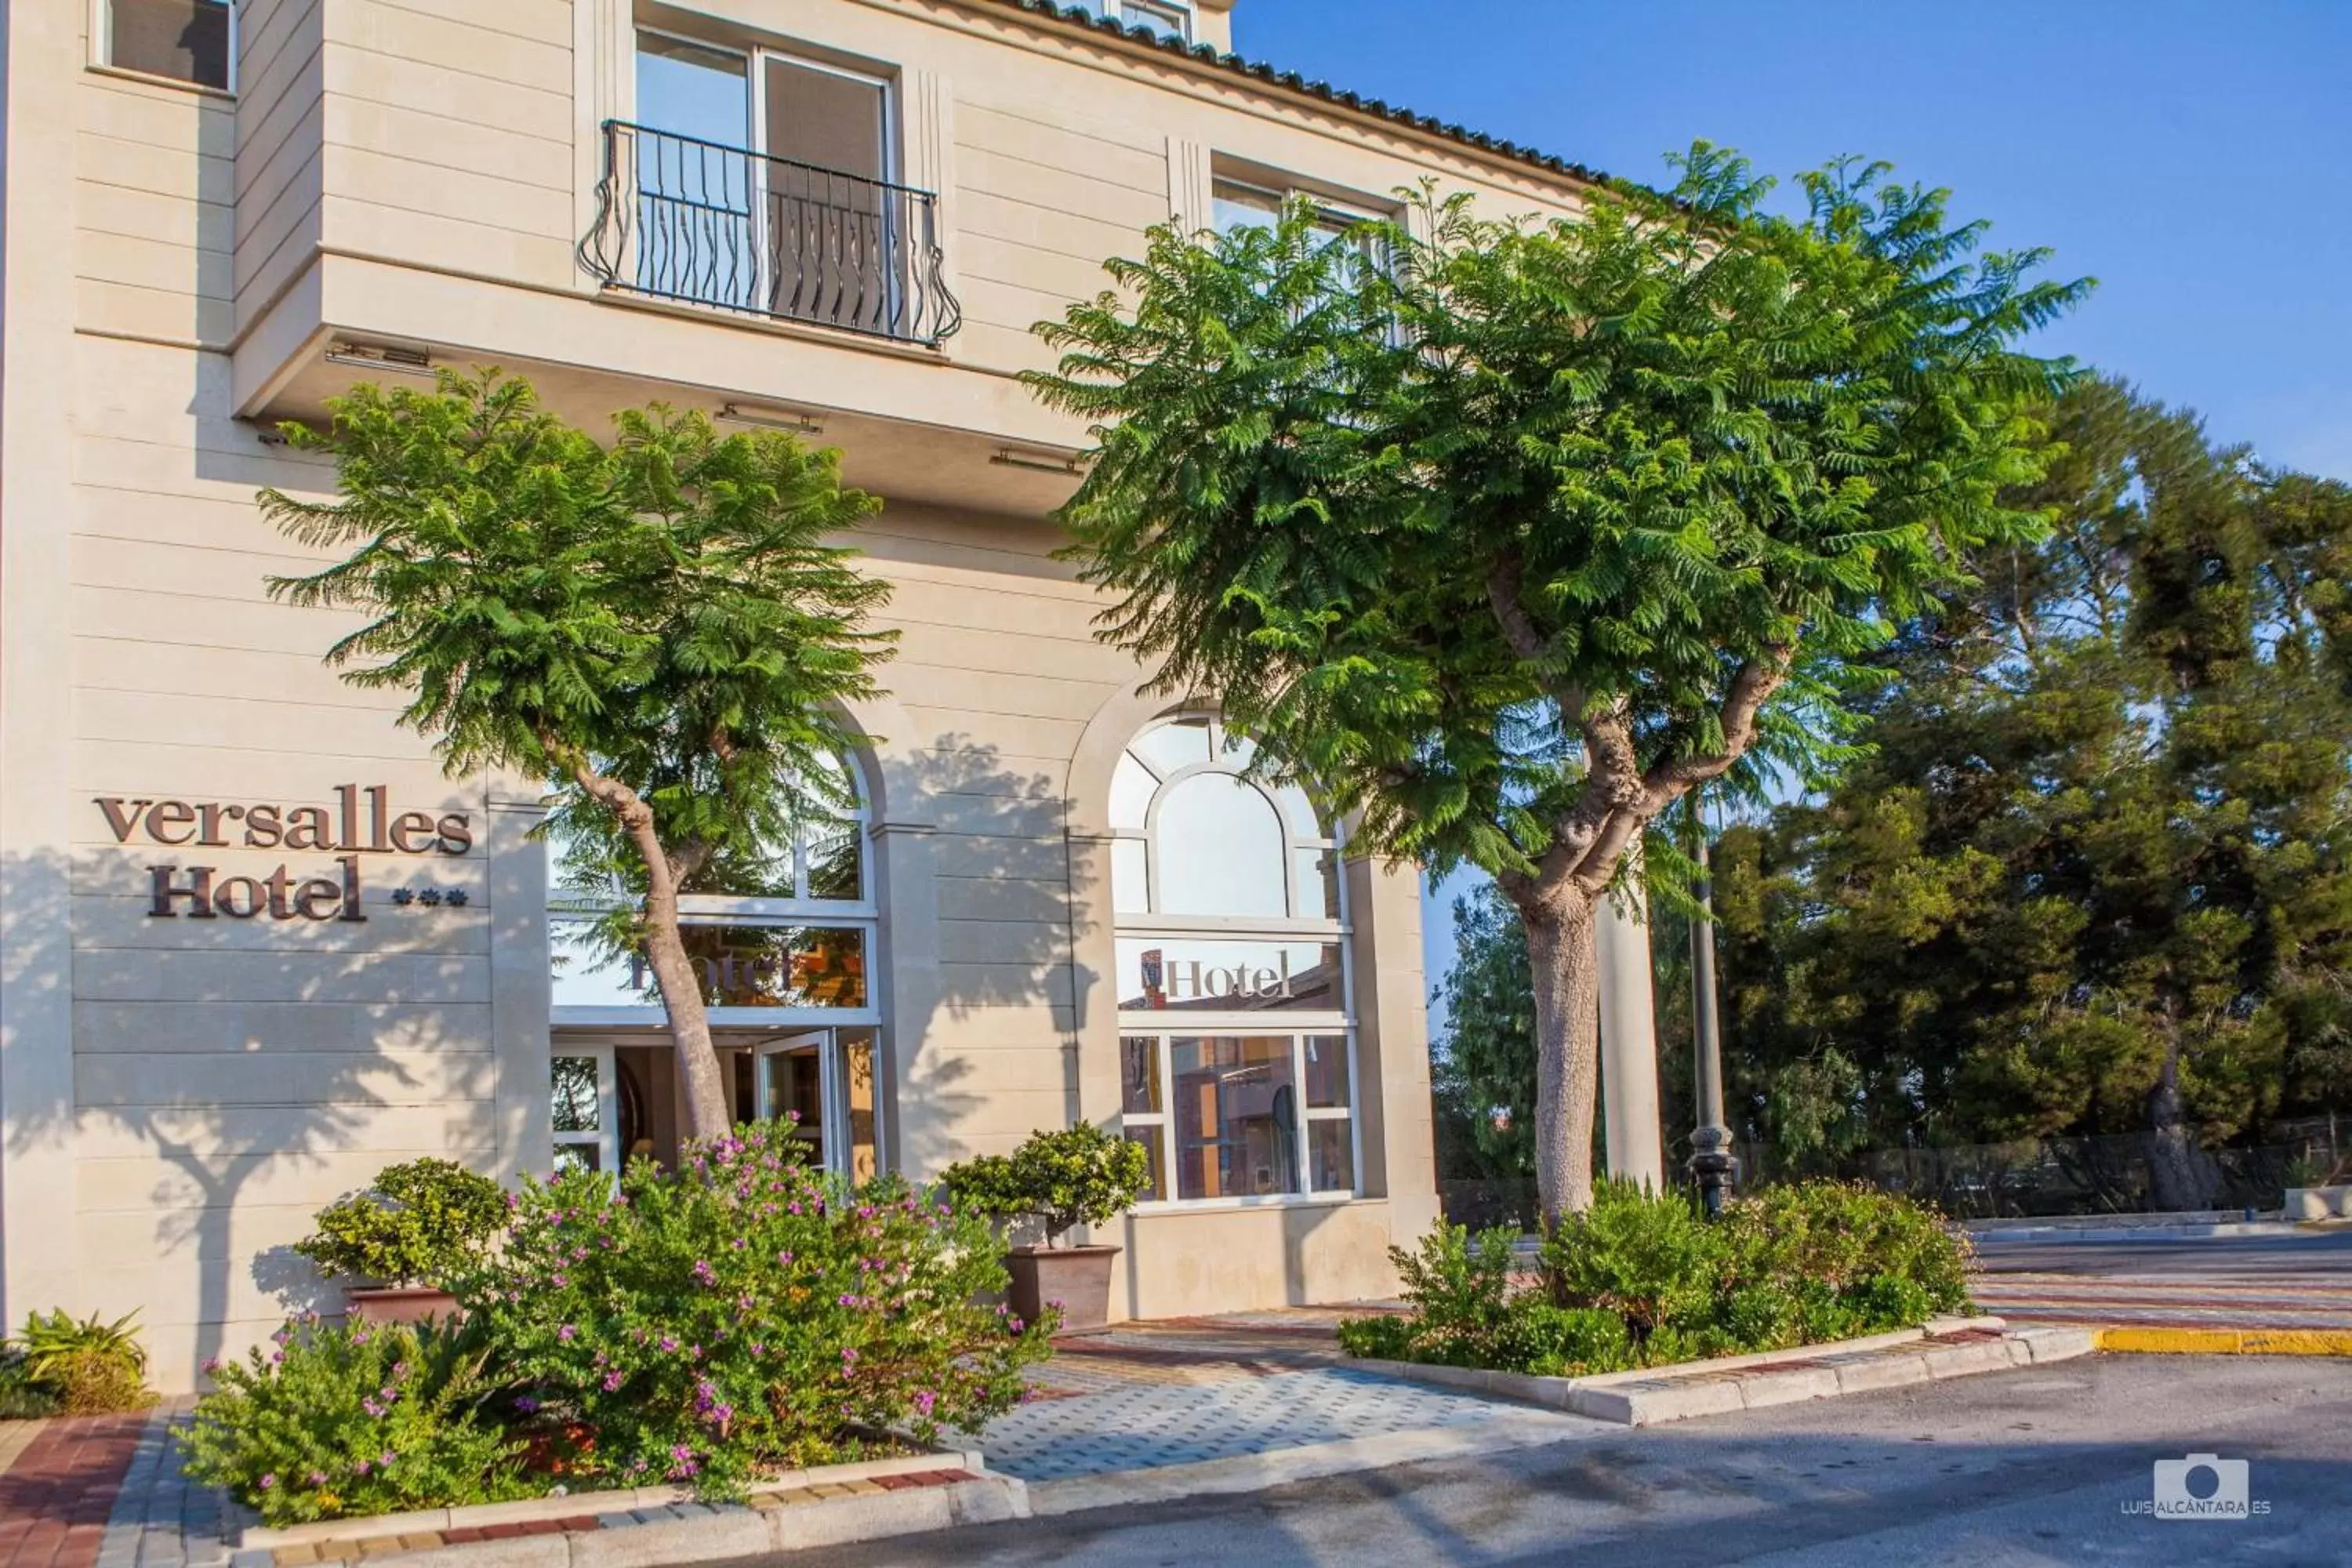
pixel 1712 1163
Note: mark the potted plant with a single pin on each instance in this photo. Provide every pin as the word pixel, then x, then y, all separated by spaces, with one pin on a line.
pixel 417 1226
pixel 1081 1175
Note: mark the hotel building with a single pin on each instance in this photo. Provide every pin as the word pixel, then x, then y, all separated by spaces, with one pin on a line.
pixel 253 946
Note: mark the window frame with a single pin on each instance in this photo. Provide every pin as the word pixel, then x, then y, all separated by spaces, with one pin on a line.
pixel 101 51
pixel 606 1139
pixel 861 914
pixel 1161 1027
pixel 1187 21
pixel 1163 1119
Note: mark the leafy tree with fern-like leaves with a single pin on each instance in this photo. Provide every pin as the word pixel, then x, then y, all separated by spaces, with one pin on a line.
pixel 663 627
pixel 1504 536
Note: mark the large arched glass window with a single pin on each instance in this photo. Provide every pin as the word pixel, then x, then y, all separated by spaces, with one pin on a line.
pixel 1237 1036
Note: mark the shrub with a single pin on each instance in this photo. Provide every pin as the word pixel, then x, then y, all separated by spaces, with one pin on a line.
pixel 745 1311
pixel 1384 1336
pixel 1079 1175
pixel 1890 1256
pixel 1459 1286
pixel 21 1399
pixel 424 1222
pixel 1640 1279
pixel 84 1368
pixel 338 1421
pixel 1561 1342
pixel 1648 1257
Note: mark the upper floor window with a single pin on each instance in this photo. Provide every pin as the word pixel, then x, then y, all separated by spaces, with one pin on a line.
pixel 757 180
pixel 1241 203
pixel 1167 19
pixel 192 41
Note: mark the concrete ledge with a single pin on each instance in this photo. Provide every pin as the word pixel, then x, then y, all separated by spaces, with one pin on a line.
pixel 1947 1347
pixel 576 1505
pixel 2225 1342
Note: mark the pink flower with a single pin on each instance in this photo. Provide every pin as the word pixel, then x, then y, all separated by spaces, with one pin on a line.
pixel 924 1400
pixel 612 1381
pixel 566 1333
pixel 268 1482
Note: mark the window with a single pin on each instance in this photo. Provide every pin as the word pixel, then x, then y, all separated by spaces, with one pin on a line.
pixel 790 928
pixel 1166 18
pixel 1237 1041
pixel 192 41
pixel 763 182
pixel 586 1114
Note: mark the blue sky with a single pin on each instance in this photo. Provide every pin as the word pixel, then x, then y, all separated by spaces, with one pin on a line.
pixel 2191 155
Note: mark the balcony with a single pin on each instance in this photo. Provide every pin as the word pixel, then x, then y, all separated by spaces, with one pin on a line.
pixel 697 223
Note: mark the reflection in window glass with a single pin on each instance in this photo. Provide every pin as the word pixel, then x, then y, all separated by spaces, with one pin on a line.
pixel 741 964
pixel 577 1106
pixel 1220 850
pixel 1149 1135
pixel 1140 1074
pixel 1236 1116
pixel 569 1157
pixel 1234 205
pixel 835 867
pixel 1318 884
pixel 1189 974
pixel 1327 1070
pixel 186 40
pixel 1330 1156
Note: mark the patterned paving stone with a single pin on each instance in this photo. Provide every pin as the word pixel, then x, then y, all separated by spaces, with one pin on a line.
pixel 1145 1425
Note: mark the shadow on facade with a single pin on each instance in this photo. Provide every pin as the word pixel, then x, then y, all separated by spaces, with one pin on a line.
pixel 166 1076
pixel 988 1050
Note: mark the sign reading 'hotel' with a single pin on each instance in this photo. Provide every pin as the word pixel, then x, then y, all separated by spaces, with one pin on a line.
pixel 346 830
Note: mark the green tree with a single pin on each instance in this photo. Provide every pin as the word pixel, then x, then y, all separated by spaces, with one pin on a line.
pixel 2094 874
pixel 1506 535
pixel 1483 1070
pixel 659 626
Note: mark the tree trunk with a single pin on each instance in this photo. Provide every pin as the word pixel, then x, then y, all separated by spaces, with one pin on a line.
pixel 2175 1171
pixel 1565 967
pixel 673 967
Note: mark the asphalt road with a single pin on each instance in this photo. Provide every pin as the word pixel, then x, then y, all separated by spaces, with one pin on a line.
pixel 2034 1467
pixel 2318 1255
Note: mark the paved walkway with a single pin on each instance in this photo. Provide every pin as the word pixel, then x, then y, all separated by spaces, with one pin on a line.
pixel 2268 1283
pixel 58 1489
pixel 1181 1391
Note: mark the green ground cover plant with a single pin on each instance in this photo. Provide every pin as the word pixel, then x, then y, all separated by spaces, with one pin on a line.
pixel 62 1366
pixel 1642 1279
pixel 342 1420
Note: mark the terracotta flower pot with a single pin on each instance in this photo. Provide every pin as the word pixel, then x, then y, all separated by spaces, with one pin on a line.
pixel 1076 1277
pixel 400 1304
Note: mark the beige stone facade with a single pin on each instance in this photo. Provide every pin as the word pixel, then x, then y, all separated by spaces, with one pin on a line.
pixel 186 264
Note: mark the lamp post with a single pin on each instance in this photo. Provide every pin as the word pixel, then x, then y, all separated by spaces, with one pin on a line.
pixel 1712 1163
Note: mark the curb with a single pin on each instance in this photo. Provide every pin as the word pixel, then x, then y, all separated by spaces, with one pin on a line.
pixel 1255 1472
pixel 2201 1232
pixel 1651 1396
pixel 715 1534
pixel 2226 1342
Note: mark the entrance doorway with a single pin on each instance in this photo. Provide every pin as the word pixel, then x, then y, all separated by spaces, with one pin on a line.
pixel 619 1098
pixel 823 1081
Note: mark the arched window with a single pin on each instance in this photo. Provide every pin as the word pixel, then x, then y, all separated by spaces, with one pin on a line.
pixel 1236 1029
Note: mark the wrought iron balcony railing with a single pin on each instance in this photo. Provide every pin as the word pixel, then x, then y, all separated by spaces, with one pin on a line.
pixel 683 219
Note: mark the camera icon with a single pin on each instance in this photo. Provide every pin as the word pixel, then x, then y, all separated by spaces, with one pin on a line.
pixel 2201 1486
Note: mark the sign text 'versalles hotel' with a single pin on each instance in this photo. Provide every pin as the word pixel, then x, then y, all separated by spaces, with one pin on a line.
pixel 346 830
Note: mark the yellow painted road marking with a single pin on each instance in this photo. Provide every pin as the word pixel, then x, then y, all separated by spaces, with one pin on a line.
pixel 2227 1342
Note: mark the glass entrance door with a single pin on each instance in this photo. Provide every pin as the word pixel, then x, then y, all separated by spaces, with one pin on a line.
pixel 792 1077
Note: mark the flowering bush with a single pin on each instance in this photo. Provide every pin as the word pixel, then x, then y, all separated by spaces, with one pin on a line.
pixel 338 1421
pixel 745 1311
